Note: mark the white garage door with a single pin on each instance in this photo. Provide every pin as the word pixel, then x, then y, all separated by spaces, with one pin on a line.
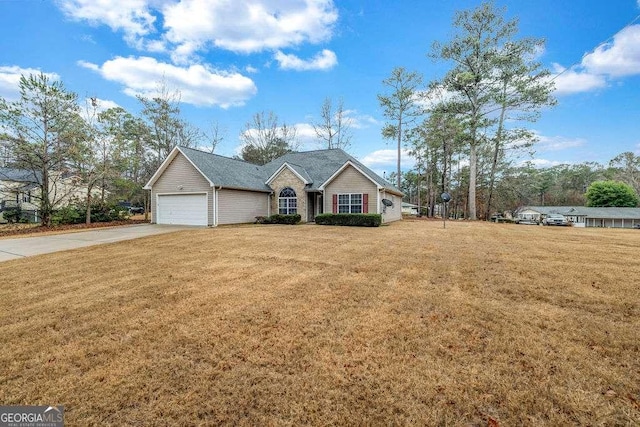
pixel 183 209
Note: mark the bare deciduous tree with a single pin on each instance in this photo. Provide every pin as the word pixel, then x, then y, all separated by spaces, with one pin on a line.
pixel 264 139
pixel 334 127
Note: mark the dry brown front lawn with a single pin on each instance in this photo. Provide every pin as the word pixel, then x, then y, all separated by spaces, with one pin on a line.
pixel 287 325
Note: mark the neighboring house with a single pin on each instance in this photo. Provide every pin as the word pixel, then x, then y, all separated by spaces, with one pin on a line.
pixel 582 216
pixel 409 208
pixel 20 188
pixel 192 187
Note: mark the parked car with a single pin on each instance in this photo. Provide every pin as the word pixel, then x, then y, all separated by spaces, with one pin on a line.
pixel 637 226
pixel 136 210
pixel 555 219
pixel 132 209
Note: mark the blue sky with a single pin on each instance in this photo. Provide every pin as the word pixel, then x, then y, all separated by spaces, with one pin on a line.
pixel 232 59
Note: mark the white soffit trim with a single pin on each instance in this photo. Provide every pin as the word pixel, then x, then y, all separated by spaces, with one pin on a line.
pixel 285 164
pixel 172 155
pixel 342 168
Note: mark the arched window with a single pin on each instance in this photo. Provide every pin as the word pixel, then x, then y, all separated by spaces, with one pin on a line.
pixel 287 202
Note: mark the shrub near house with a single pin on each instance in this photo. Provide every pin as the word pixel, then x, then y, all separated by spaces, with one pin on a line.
pixel 359 220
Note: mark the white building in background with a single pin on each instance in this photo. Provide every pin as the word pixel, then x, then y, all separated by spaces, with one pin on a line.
pixel 582 216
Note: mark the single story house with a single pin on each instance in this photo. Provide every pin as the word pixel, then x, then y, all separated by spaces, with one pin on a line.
pixel 192 187
pixel 583 216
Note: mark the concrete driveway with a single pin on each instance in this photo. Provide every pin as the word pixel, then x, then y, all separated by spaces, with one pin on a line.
pixel 28 246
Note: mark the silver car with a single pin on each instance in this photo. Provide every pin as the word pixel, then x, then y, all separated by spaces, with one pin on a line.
pixel 555 219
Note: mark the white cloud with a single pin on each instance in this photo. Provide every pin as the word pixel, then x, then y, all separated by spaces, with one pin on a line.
pixel 10 80
pixel 183 28
pixel 87 107
pixel 542 163
pixel 557 143
pixel 132 17
pixel 432 97
pixel 612 60
pixel 198 84
pixel 387 160
pixel 102 104
pixel 322 61
pixel 576 80
pixel 384 162
pixel 304 137
pixel 621 57
pixel 359 121
pixel 307 137
pixel 247 26
pixel 250 69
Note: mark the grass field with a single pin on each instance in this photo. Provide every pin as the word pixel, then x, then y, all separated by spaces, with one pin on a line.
pixel 286 325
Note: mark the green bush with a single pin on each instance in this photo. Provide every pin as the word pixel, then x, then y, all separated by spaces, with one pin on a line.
pixel 357 220
pixel 281 219
pixel 67 215
pixel 99 213
pixel 13 215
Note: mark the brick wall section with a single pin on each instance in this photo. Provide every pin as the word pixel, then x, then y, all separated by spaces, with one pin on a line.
pixel 286 178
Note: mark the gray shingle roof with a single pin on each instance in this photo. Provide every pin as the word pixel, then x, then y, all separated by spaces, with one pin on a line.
pixel 19 175
pixel 321 164
pixel 314 166
pixel 227 172
pixel 301 171
pixel 590 212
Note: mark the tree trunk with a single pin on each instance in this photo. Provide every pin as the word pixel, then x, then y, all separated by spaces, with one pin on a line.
pixel 104 184
pixel 147 195
pixel 473 166
pixel 87 218
pixel 399 178
pixel 45 201
pixel 496 152
pixel 418 185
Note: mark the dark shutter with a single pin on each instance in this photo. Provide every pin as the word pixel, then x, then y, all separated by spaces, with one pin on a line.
pixel 365 203
pixel 335 203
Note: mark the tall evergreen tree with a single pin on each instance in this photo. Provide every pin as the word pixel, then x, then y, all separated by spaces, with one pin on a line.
pixel 36 128
pixel 400 107
pixel 493 75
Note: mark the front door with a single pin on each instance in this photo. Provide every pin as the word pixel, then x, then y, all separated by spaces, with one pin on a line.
pixel 314 206
pixel 311 207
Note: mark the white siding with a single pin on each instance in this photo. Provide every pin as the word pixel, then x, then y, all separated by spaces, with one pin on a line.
pixel 391 213
pixel 181 177
pixel 237 207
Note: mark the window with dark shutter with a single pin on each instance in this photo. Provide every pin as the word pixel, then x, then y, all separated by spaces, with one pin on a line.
pixel 349 203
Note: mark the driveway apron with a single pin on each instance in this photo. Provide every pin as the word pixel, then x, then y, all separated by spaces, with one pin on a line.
pixel 16 248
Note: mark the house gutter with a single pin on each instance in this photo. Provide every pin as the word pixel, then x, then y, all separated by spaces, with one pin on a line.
pixel 215 204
